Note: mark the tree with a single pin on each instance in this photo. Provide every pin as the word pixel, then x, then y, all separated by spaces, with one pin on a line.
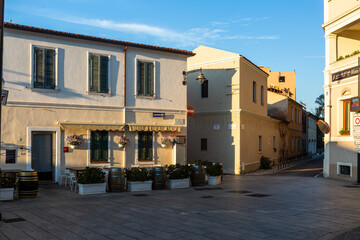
pixel 319 110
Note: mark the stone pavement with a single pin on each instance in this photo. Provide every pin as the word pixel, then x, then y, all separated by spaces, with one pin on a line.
pixel 243 207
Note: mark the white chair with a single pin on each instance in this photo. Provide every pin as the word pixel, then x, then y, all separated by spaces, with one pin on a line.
pixel 73 181
pixel 67 176
pixel 106 171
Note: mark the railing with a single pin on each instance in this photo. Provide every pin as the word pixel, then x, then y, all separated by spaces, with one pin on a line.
pixel 285 161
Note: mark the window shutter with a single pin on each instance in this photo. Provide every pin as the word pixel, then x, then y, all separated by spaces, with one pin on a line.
pixel 104 63
pixel 38 67
pixel 150 79
pixel 141 146
pixel 104 146
pixel 141 74
pixel 149 143
pixel 49 80
pixel 94 73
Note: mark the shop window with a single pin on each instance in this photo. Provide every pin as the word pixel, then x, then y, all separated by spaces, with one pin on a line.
pixel 99 146
pixel 145 146
pixel 346 118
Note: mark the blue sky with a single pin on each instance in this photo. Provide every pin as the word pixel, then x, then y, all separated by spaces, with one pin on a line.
pixel 281 34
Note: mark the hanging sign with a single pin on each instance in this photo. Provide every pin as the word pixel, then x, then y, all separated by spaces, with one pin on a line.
pixel 323 126
pixel 354 104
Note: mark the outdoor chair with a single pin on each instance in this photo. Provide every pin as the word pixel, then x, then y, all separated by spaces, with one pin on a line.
pixel 73 181
pixel 67 176
pixel 106 171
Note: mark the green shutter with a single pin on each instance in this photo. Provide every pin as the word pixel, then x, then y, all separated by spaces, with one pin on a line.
pixel 141 78
pixel 104 62
pixel 145 146
pixel 94 73
pixel 99 146
pixel 39 67
pixel 150 79
pixel 49 79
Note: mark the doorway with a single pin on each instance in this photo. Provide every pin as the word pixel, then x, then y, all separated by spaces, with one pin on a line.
pixel 42 155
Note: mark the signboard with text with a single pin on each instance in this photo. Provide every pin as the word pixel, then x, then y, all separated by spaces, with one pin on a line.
pixel 357 132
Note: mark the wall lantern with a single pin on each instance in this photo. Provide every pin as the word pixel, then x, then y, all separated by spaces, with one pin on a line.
pixel 201 78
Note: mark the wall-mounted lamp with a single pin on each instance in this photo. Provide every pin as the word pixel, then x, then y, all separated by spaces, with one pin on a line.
pixel 201 78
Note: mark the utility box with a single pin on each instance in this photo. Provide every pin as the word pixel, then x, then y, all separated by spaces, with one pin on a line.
pixel 179 150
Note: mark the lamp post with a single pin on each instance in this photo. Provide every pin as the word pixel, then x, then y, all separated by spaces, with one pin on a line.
pixel 201 78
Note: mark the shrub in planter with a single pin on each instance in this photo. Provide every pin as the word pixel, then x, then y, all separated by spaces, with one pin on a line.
pixel 7 185
pixel 265 163
pixel 215 172
pixel 92 181
pixel 139 179
pixel 179 176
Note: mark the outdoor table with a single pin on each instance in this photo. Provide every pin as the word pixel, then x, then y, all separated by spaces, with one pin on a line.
pixel 77 170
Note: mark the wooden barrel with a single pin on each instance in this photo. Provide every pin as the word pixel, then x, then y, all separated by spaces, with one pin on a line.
pixel 116 180
pixel 159 178
pixel 28 184
pixel 198 175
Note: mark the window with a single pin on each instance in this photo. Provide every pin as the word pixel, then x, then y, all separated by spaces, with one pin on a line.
pixel 204 89
pixel 204 144
pixel 274 143
pixel 44 68
pixel 344 170
pixel 281 78
pixel 145 86
pixel 346 117
pixel 292 114
pixel 260 143
pixel 145 146
pixel 254 92
pixel 99 147
pixel 99 73
pixel 262 95
pixel 296 112
pixel 10 156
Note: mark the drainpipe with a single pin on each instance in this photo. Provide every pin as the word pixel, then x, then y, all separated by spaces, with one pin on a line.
pixel 124 101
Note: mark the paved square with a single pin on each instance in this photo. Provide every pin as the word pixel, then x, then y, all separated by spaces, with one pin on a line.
pixel 279 208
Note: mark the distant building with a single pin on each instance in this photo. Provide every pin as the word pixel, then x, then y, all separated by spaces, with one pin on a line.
pixel 341 83
pixel 309 134
pixel 281 82
pixel 231 123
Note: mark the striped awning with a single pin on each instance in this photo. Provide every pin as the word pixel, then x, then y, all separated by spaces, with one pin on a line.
pixel 92 126
pixel 155 128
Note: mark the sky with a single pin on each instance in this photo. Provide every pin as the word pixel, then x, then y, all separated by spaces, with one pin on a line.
pixel 281 34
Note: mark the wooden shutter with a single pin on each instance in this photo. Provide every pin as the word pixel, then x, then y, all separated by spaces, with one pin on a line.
pixel 149 146
pixel 104 67
pixel 49 80
pixel 141 78
pixel 99 146
pixel 94 73
pixel 39 68
pixel 149 79
pixel 145 146
pixel 141 146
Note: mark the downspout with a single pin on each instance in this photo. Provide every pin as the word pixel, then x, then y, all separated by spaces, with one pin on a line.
pixel 124 101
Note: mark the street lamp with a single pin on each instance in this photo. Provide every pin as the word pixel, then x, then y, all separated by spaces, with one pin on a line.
pixel 201 78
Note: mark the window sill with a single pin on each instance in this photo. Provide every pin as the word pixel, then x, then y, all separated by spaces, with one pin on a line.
pixel 99 94
pixel 145 162
pixel 145 97
pixel 98 163
pixel 44 90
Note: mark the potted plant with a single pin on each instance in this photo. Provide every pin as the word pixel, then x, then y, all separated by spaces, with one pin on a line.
pixel 165 142
pixel 7 185
pixel 74 141
pixel 92 181
pixel 344 132
pixel 122 141
pixel 215 173
pixel 138 179
pixel 178 176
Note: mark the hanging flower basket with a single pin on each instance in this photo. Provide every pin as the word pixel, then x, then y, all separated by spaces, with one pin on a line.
pixel 165 142
pixel 74 141
pixel 122 141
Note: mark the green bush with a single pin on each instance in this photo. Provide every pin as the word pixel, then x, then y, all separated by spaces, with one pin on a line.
pixel 138 174
pixel 265 163
pixel 91 175
pixel 214 169
pixel 178 171
pixel 204 163
pixel 6 181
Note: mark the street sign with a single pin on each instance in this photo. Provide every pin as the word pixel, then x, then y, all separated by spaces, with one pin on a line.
pixel 4 97
pixel 158 114
pixel 357 132
pixel 191 111
pixel 356 121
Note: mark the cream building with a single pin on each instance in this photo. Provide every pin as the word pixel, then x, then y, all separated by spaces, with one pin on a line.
pixel 62 84
pixel 230 124
pixel 341 83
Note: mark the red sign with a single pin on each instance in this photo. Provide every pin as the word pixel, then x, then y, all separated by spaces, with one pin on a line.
pixel 191 111
pixel 357 121
pixel 65 149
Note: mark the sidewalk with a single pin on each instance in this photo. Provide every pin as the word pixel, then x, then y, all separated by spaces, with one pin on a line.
pixel 274 169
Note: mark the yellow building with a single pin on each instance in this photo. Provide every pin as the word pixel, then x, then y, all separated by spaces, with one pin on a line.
pixel 341 83
pixel 231 123
pixel 282 82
